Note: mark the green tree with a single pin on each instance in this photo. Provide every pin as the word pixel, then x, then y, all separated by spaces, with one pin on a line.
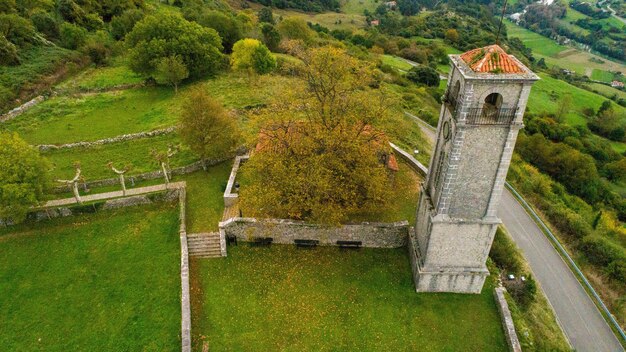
pixel 317 154
pixel 228 27
pixel 408 7
pixel 171 70
pixel 72 36
pixel 423 75
pixel 166 35
pixel 8 53
pixel 251 55
pixel 206 127
pixel 45 23
pixel 564 106
pixel 271 37
pixel 617 170
pixel 23 177
pixel 265 15
pixel 7 6
pixel 452 35
pixel 124 23
pixel 16 29
pixel 295 28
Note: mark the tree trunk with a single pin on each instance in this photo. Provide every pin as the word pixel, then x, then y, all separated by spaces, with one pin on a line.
pixel 165 175
pixel 76 194
pixel 123 184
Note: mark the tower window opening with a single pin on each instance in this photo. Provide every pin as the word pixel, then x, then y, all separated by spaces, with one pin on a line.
pixel 493 103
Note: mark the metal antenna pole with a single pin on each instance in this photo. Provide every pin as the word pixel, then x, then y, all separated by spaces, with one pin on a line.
pixel 501 20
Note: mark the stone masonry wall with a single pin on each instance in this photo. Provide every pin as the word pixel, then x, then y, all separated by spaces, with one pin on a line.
pixel 116 139
pixel 376 235
pixel 21 109
pixel 507 321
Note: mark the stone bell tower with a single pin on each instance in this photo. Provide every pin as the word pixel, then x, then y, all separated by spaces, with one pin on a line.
pixel 457 214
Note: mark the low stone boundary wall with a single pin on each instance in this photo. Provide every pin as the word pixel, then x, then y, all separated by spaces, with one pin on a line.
pixel 83 90
pixel 76 209
pixel 230 198
pixel 183 170
pixel 375 235
pixel 185 300
pixel 116 139
pixel 22 108
pixel 507 321
pixel 414 163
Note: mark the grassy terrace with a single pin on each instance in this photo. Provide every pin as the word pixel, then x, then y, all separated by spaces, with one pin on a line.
pixel 72 118
pixel 66 119
pixel 325 299
pixel 136 153
pixel 559 55
pixel 100 282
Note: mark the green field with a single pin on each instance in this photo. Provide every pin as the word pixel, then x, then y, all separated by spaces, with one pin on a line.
pixel 607 91
pixel 135 153
pixel 356 7
pixel 396 62
pixel 326 299
pixel 87 117
pixel 601 75
pixel 100 282
pixel 66 119
pixel 547 92
pixel 538 43
pixel 559 55
pixel 102 78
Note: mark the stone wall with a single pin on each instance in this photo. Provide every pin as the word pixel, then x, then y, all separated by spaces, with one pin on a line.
pixel 76 209
pixel 116 139
pixel 507 321
pixel 230 197
pixel 21 109
pixel 183 170
pixel 376 235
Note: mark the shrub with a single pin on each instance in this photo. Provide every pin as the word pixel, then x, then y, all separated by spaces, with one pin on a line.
pixel 72 36
pixel 504 253
pixel 6 97
pixel 16 29
pixel 124 23
pixel 423 75
pixel 45 24
pixel 8 53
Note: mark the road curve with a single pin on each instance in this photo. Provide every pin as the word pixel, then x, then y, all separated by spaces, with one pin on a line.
pixel 582 323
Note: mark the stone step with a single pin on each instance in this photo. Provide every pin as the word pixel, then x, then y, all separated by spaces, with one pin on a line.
pixel 207 254
pixel 203 248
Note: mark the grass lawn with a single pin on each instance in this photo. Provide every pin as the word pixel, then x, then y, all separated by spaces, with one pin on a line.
pixel 66 119
pixel 234 90
pixel 103 77
pixel 396 62
pixel 559 55
pixel 601 75
pixel 205 202
pixel 358 6
pixel 325 299
pixel 100 282
pixel 547 92
pixel 607 91
pixel 135 153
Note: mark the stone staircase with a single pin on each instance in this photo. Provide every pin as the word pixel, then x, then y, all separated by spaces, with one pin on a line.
pixel 204 245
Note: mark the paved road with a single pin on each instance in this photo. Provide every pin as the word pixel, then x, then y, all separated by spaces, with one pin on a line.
pixel 581 321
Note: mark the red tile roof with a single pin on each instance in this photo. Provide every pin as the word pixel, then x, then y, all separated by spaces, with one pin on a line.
pixel 491 59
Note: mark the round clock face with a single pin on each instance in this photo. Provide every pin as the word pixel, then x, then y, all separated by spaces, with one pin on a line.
pixel 446 130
